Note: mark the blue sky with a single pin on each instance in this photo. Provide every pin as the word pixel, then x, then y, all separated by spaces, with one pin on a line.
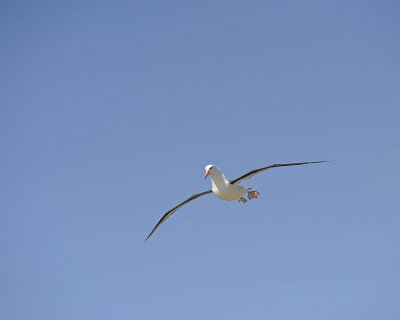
pixel 109 111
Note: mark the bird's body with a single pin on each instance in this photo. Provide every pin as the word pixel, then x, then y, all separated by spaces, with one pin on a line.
pixel 222 188
pixel 226 189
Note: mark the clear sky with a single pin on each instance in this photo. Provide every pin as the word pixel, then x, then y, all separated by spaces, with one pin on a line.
pixel 109 111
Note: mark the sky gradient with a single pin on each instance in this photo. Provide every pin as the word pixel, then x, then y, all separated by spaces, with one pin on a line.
pixel 109 111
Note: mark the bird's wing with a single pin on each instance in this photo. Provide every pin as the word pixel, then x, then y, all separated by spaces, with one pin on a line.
pixel 170 212
pixel 256 171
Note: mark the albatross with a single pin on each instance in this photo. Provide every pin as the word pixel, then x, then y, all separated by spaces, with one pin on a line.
pixel 225 189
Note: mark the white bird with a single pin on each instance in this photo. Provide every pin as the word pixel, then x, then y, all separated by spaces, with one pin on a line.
pixel 226 189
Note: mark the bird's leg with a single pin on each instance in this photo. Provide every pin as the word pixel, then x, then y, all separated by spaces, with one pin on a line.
pixel 253 194
pixel 241 199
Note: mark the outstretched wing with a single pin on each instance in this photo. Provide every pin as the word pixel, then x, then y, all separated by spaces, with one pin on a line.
pixel 256 171
pixel 170 212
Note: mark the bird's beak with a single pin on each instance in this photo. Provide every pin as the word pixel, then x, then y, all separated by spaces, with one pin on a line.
pixel 206 174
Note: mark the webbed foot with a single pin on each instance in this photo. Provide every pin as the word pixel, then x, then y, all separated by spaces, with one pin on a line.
pixel 241 199
pixel 253 194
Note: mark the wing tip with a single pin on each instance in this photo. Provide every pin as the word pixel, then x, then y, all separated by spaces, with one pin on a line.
pixel 170 212
pixel 149 235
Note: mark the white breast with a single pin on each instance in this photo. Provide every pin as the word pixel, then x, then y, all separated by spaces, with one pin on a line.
pixel 224 190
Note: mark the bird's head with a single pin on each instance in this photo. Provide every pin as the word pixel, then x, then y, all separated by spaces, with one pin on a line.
pixel 208 169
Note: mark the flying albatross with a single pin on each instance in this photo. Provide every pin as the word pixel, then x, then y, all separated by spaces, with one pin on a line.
pixel 226 189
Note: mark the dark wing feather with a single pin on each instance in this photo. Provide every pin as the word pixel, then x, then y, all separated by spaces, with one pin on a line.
pixel 256 171
pixel 170 212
